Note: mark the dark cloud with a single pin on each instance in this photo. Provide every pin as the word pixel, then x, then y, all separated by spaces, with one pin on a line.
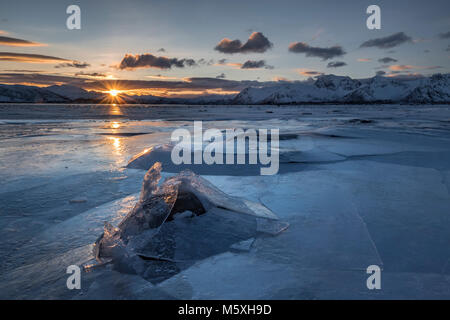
pixel 387 60
pixel 161 50
pixel 91 74
pixel 221 76
pixel 445 35
pixel 381 73
pixel 448 48
pixel 23 70
pixel 222 61
pixel 324 53
pixel 257 42
pixel 387 42
pixel 251 64
pixel 336 64
pixel 38 79
pixel 148 60
pixel 13 42
pixel 30 58
pixel 73 64
pixel 205 62
pixel 88 83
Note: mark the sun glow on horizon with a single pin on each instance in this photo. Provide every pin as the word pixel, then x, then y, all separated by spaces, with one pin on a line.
pixel 113 92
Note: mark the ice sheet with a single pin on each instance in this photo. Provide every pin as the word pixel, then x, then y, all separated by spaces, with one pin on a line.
pixel 354 192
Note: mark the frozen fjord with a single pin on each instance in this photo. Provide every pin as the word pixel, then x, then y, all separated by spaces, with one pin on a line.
pixel 370 185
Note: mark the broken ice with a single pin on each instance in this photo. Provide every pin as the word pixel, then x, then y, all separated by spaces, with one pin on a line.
pixel 183 220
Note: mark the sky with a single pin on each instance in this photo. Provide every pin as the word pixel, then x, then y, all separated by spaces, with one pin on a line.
pixel 213 46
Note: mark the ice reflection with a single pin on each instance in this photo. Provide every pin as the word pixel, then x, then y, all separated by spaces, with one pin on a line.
pixel 115 125
pixel 116 144
pixel 115 110
pixel 117 150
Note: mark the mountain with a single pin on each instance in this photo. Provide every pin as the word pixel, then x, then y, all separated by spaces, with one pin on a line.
pixel 74 93
pixel 340 89
pixel 21 93
pixel 206 99
pixel 436 89
pixel 323 89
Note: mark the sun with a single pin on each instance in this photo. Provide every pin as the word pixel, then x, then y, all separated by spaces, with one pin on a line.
pixel 113 92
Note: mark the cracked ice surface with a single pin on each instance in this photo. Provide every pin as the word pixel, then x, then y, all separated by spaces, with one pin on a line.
pixel 354 193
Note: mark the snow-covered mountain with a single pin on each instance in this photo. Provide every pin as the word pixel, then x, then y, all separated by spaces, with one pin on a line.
pixel 74 93
pixel 206 99
pixel 21 93
pixel 54 94
pixel 339 89
pixel 324 89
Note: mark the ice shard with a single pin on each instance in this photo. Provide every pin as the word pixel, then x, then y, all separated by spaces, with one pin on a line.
pixel 184 219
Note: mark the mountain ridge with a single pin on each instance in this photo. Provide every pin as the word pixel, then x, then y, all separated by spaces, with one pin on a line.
pixel 324 89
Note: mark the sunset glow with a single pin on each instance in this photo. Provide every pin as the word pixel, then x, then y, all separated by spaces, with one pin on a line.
pixel 113 92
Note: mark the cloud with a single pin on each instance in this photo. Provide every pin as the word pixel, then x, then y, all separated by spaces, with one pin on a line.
pixel 317 34
pixel 336 64
pixel 381 73
pixel 403 67
pixel 205 62
pixel 221 61
pixel 221 76
pixel 387 42
pixel 307 72
pixel 364 60
pixel 433 67
pixel 324 53
pixel 280 79
pixel 73 64
pixel 161 50
pixel 195 84
pixel 30 58
pixel 405 76
pixel 445 35
pixel 419 40
pixel 148 60
pixel 448 48
pixel 160 76
pixel 235 65
pixel 387 60
pixel 14 42
pixel 257 43
pixel 397 67
pixel 251 64
pixel 91 74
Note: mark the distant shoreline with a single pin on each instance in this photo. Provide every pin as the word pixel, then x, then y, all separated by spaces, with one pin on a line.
pixel 328 103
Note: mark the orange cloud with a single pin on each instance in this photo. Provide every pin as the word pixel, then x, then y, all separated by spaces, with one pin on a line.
pixel 310 73
pixel 364 60
pixel 398 67
pixel 14 42
pixel 403 67
pixel 404 75
pixel 280 79
pixel 234 64
pixel 30 58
